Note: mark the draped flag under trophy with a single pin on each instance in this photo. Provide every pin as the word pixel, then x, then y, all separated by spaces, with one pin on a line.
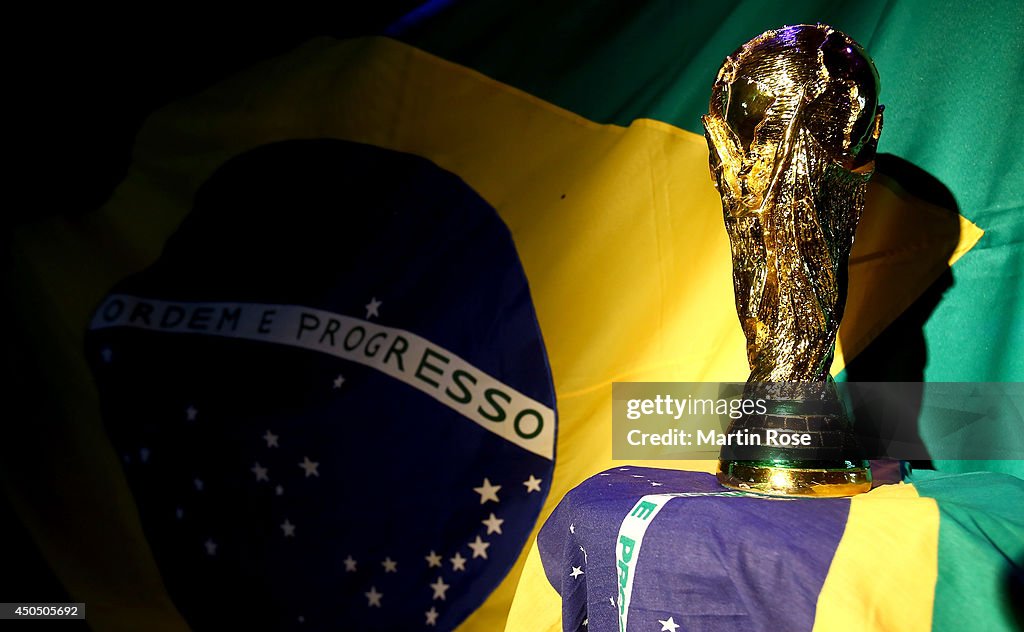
pixel 653 549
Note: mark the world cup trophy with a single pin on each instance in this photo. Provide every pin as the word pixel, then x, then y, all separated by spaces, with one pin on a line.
pixel 792 128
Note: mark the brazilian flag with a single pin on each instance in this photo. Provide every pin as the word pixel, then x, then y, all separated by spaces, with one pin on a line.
pixel 512 200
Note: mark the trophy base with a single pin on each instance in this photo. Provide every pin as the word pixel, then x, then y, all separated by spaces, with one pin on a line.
pixel 777 480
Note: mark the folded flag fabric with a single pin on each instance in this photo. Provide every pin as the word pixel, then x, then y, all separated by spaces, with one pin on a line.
pixel 651 549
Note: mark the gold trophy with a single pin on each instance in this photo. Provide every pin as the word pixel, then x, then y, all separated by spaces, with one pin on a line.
pixel 792 128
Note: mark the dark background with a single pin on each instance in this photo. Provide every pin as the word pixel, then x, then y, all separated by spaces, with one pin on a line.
pixel 81 87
